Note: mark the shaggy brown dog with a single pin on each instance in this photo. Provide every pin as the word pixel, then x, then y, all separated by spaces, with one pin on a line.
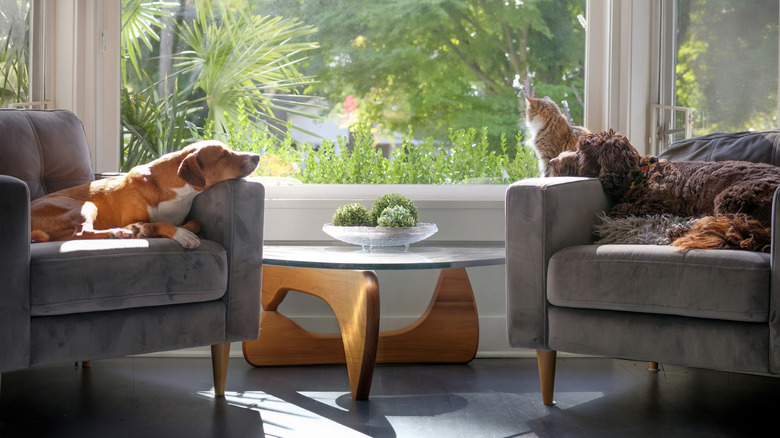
pixel 565 164
pixel 644 185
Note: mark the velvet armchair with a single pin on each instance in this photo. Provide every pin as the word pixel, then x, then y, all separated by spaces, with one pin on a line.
pixel 714 309
pixel 90 299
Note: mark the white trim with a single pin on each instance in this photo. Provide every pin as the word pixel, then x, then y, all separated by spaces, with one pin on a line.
pixel 618 80
pixel 597 52
pixel 236 351
pixel 86 72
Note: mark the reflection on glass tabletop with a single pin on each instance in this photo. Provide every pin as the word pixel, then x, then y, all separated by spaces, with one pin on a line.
pixel 429 256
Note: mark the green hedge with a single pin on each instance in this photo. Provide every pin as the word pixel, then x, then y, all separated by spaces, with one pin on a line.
pixel 464 158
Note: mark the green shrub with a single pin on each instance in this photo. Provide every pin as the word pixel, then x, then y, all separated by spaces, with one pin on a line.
pixel 352 215
pixel 396 216
pixel 392 200
pixel 465 157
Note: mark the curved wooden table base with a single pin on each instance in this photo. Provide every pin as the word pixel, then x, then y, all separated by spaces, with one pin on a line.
pixel 447 332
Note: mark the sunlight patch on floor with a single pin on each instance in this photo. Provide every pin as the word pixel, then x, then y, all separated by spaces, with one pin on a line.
pixel 567 400
pixel 286 420
pixel 327 398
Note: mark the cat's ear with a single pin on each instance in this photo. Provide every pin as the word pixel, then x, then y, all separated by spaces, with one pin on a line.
pixel 527 99
pixel 547 98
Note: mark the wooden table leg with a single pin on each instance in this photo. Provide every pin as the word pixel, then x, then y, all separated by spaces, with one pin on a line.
pixel 447 332
pixel 354 298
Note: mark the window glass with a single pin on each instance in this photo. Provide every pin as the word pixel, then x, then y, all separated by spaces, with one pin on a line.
pixel 14 51
pixel 727 63
pixel 350 91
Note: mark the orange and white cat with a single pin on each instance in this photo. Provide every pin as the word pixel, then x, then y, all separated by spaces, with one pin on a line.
pixel 550 131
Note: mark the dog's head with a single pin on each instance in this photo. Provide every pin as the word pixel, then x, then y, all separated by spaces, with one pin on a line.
pixel 565 164
pixel 611 158
pixel 208 162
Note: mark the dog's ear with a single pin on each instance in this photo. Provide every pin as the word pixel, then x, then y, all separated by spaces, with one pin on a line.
pixel 191 171
pixel 610 157
pixel 620 166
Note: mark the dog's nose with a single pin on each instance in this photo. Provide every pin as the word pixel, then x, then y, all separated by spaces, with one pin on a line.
pixel 250 163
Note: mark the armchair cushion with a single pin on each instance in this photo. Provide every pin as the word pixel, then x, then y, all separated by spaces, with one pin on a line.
pixel 658 279
pixel 46 149
pixel 98 275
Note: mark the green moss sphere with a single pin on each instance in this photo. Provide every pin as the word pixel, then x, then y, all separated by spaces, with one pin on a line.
pixel 392 200
pixel 396 216
pixel 352 215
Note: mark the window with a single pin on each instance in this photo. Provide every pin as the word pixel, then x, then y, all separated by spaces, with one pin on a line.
pixel 14 52
pixel 724 67
pixel 398 77
pixel 25 48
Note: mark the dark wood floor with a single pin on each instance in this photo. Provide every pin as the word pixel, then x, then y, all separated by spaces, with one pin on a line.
pixel 164 397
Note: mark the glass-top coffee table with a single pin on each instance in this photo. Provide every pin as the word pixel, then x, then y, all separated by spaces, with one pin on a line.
pixel 344 277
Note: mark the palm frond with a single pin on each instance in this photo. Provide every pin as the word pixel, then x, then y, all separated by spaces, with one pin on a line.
pixel 141 19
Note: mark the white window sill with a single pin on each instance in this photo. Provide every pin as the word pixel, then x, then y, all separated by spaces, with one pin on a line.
pixel 461 212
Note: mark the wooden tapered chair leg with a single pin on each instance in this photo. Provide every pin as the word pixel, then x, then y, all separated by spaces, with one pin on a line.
pixel 219 364
pixel 545 360
pixel 652 366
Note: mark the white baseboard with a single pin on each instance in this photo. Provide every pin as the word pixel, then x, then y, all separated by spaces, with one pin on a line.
pixel 492 337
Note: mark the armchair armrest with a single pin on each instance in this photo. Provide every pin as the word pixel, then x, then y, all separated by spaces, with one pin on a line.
pixel 14 274
pixel 231 213
pixel 774 289
pixel 543 215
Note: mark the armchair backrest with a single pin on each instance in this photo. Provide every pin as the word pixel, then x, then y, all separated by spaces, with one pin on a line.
pixel 47 149
pixel 757 147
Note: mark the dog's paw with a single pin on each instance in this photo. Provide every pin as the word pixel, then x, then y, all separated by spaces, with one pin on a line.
pixel 123 233
pixel 186 238
pixel 140 230
pixel 39 236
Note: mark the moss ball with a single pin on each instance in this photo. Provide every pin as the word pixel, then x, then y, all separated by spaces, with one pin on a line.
pixel 392 200
pixel 352 215
pixel 396 216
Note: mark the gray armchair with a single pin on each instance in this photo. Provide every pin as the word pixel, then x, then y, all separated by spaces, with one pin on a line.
pixel 92 299
pixel 714 309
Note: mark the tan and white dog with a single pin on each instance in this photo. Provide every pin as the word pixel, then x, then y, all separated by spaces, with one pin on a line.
pixel 151 200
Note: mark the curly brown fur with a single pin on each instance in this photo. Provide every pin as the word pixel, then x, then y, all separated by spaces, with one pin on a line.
pixel 733 231
pixel 644 185
pixel 565 164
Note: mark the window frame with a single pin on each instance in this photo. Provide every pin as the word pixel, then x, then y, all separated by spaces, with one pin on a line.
pixel 84 75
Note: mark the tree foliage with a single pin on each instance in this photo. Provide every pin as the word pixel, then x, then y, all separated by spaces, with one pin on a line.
pixel 727 63
pixel 215 55
pixel 446 70
pixel 14 51
pixel 440 64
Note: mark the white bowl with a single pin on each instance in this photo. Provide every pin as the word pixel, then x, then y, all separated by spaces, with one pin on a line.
pixel 381 236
